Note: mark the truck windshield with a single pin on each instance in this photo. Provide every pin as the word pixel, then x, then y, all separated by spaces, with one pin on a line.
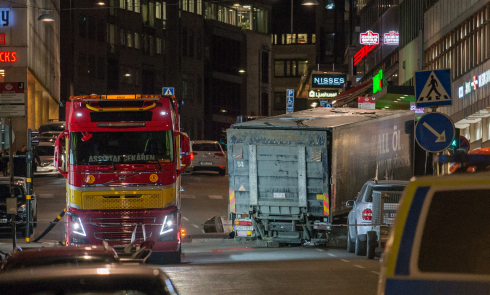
pixel 122 148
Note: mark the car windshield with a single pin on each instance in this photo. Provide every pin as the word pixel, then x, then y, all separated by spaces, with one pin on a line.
pixel 5 192
pixel 206 147
pixel 52 127
pixel 121 147
pixel 45 150
pixel 74 260
pixel 388 188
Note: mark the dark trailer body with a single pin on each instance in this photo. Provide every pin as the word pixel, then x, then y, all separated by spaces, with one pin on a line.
pixel 291 175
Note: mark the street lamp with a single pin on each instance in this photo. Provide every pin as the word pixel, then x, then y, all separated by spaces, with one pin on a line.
pixel 46 17
pixel 310 2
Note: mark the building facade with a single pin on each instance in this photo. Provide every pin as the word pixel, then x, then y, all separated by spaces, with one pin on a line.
pixel 34 50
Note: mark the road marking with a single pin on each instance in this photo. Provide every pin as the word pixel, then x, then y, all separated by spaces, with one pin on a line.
pixel 185 218
pixel 375 272
pixel 216 197
pixel 195 226
pixel 187 196
pixel 360 266
pixel 344 260
pixel 321 250
pixel 333 255
pixel 46 196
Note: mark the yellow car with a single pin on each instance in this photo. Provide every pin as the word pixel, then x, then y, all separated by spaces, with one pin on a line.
pixel 440 242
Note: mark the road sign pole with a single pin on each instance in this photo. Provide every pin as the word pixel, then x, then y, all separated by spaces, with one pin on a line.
pixel 29 184
pixel 12 192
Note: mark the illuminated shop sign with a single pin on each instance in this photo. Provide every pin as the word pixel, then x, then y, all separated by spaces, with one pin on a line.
pixel 369 38
pixel 327 81
pixel 416 110
pixel 362 53
pixel 475 83
pixel 391 38
pixel 321 94
pixel 5 20
pixel 8 56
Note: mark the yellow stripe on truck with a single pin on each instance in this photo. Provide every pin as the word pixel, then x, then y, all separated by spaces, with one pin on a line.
pixel 120 199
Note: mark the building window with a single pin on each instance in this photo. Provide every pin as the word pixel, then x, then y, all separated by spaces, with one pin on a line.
pixel 280 101
pixel 145 43
pixel 137 41
pixel 129 5
pixel 184 43
pixel 137 6
pixel 158 10
pixel 129 39
pixel 159 45
pixel 191 44
pixel 265 67
pixel 122 37
pixel 191 5
pixel 478 131
pixel 466 133
pixel 199 7
pixel 164 14
pixel 122 4
pixel 111 37
pixel 290 68
pixel 187 88
pixel 313 38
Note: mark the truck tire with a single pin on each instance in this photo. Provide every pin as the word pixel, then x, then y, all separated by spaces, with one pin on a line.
pixel 360 247
pixel 351 245
pixel 372 241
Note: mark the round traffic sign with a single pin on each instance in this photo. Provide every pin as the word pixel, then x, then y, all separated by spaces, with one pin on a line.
pixel 434 132
pixel 464 143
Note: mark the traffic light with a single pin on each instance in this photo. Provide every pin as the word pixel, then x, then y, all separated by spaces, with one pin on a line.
pixel 455 143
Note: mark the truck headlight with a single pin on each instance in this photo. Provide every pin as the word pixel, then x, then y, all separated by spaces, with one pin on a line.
pixel 168 224
pixel 77 226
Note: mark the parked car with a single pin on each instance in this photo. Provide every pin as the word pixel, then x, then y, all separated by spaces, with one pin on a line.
pixel 439 242
pixel 208 155
pixel 45 150
pixel 52 127
pixel 56 256
pixel 20 191
pixel 107 279
pixel 361 215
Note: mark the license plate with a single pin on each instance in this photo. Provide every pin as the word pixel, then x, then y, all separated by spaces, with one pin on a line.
pixel 243 227
pixel 206 163
pixel 3 220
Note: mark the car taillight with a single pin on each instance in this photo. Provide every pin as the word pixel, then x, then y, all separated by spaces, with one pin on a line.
pixel 192 155
pixel 367 214
pixel 219 154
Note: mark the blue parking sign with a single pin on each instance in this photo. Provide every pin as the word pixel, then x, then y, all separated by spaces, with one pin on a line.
pixel 289 101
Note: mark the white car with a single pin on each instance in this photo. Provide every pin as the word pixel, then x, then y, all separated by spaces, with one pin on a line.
pixel 45 150
pixel 360 217
pixel 208 155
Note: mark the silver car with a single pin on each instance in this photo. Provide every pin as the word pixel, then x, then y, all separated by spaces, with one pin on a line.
pixel 361 214
pixel 208 155
pixel 45 150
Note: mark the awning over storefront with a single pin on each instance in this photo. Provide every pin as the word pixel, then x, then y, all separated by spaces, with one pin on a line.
pixel 352 94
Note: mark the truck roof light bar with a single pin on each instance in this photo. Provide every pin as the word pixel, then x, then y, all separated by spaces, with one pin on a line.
pixel 128 124
pixel 117 96
pixel 95 109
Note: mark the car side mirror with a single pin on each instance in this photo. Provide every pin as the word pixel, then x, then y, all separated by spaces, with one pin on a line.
pixel 350 203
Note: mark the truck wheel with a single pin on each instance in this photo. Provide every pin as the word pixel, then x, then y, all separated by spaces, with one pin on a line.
pixel 372 240
pixel 351 245
pixel 360 247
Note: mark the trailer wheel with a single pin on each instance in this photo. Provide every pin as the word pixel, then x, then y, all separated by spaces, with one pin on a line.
pixel 351 245
pixel 360 247
pixel 372 241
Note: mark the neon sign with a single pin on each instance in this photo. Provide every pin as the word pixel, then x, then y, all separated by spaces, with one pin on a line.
pixel 369 38
pixel 362 53
pixel 475 83
pixel 391 38
pixel 321 94
pixel 5 17
pixel 8 56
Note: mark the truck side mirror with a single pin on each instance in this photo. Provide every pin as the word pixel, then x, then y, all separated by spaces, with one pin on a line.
pixel 58 153
pixel 350 203
pixel 184 151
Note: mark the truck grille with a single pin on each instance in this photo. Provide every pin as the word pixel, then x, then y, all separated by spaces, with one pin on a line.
pixel 121 236
pixel 130 201
pixel 122 222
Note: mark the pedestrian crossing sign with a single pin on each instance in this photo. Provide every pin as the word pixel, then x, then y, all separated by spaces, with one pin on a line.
pixel 168 91
pixel 433 88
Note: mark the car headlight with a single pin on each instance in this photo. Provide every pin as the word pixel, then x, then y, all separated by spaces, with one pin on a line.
pixel 168 224
pixel 77 226
pixel 22 208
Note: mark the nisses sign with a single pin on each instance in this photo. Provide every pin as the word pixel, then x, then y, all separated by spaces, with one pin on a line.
pixel 369 38
pixel 327 81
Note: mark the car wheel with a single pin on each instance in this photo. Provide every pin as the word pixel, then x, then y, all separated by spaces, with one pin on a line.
pixel 372 240
pixel 222 172
pixel 360 247
pixel 351 245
